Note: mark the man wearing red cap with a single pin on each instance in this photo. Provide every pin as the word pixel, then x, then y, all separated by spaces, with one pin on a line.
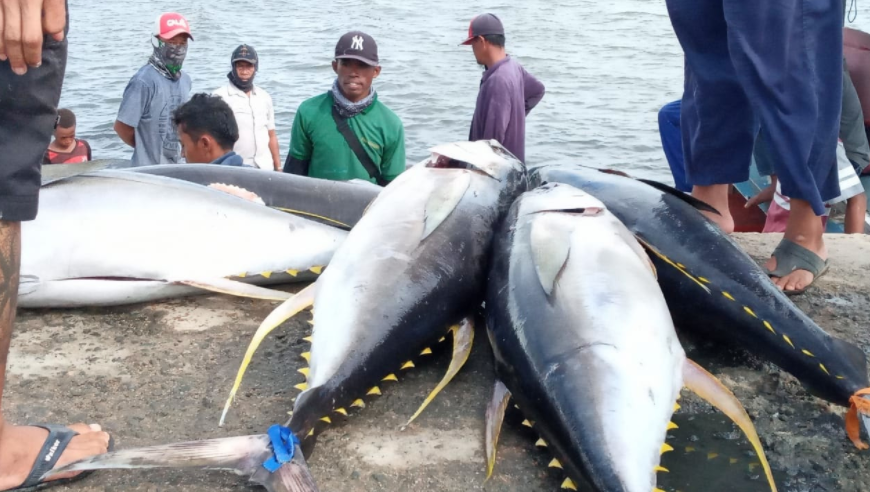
pixel 152 95
pixel 507 92
pixel 33 52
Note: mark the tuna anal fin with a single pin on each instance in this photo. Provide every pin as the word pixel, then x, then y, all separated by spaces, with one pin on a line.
pixel 705 385
pixel 463 340
pixel 238 454
pixel 550 248
pixel 235 288
pixel 442 201
pixel 282 313
pixel 494 419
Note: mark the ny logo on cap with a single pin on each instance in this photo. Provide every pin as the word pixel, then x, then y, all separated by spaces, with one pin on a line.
pixel 357 43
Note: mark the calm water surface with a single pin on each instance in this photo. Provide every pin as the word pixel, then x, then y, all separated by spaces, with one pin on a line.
pixel 608 67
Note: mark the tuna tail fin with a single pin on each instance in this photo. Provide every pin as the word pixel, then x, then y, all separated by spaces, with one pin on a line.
pixel 494 418
pixel 463 340
pixel 694 202
pixel 242 455
pixel 282 313
pixel 236 288
pixel 705 385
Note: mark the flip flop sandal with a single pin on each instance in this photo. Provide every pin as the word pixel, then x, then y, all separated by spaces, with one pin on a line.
pixel 791 256
pixel 55 444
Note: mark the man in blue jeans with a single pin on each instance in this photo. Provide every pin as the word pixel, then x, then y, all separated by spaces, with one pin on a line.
pixel 751 63
pixel 33 51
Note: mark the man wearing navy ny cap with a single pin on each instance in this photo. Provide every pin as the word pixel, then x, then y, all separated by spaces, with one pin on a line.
pixel 347 133
pixel 507 92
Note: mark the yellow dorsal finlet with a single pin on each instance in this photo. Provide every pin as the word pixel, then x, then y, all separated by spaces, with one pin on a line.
pixel 555 464
pixel 317 270
pixel 569 484
pixel 426 351
pixel 541 443
pixel 358 404
pixel 292 273
pixel 666 448
pixel 528 423
pixel 309 339
pixel 311 322
pixel 672 426
pixel 304 371
pixel 266 274
pixel 301 386
pixel 408 365
pixel 341 411
pixel 306 356
pixel 391 377
pixel 374 391
pixel 661 469
pixel 326 419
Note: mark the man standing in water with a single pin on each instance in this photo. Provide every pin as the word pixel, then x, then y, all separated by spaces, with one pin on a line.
pixel 507 92
pixel 254 112
pixel 33 52
pixel 347 133
pixel 152 95
pixel 746 66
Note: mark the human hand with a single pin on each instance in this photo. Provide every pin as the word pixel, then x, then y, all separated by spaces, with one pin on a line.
pixel 763 196
pixel 23 23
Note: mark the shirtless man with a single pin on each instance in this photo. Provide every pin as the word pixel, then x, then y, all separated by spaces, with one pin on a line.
pixel 32 63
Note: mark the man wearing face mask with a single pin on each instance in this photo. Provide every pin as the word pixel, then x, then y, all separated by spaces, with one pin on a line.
pixel 252 107
pixel 347 133
pixel 145 118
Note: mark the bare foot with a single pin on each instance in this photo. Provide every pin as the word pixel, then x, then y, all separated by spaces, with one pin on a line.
pixel 717 197
pixel 20 445
pixel 805 229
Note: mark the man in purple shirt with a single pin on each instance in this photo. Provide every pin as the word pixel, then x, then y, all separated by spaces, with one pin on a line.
pixel 507 92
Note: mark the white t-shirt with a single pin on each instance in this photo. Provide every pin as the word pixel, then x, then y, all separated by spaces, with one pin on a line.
pixel 255 116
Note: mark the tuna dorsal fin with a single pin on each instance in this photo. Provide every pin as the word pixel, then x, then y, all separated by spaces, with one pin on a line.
pixel 494 419
pixel 550 249
pixel 463 340
pixel 443 201
pixel 715 393
pixel 282 313
pixel 700 205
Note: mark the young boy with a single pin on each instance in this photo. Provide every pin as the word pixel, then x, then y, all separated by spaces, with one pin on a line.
pixel 66 148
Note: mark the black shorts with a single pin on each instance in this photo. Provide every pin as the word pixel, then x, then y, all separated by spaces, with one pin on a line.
pixel 28 111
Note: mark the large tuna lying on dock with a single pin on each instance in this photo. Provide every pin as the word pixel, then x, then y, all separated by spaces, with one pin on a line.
pixel 116 237
pixel 714 288
pixel 585 344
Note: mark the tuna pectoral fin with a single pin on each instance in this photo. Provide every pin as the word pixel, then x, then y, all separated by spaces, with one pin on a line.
pixel 550 249
pixel 303 299
pixel 463 339
pixel 715 393
pixel 443 201
pixel 700 205
pixel 494 418
pixel 234 288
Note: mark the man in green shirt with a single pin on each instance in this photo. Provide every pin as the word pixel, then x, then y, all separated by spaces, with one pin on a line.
pixel 347 133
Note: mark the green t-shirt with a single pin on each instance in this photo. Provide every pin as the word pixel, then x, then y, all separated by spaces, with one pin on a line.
pixel 315 138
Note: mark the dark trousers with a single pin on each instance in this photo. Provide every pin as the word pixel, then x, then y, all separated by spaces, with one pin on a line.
pixel 774 63
pixel 28 111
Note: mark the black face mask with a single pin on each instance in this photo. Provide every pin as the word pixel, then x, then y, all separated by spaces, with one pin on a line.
pixel 243 85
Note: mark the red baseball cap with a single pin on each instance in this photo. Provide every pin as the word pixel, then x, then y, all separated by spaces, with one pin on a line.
pixel 171 24
pixel 483 25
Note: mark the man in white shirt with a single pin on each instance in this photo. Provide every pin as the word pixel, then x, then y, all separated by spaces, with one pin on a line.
pixel 255 115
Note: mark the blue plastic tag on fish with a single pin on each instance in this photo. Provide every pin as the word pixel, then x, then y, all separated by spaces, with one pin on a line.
pixel 284 444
